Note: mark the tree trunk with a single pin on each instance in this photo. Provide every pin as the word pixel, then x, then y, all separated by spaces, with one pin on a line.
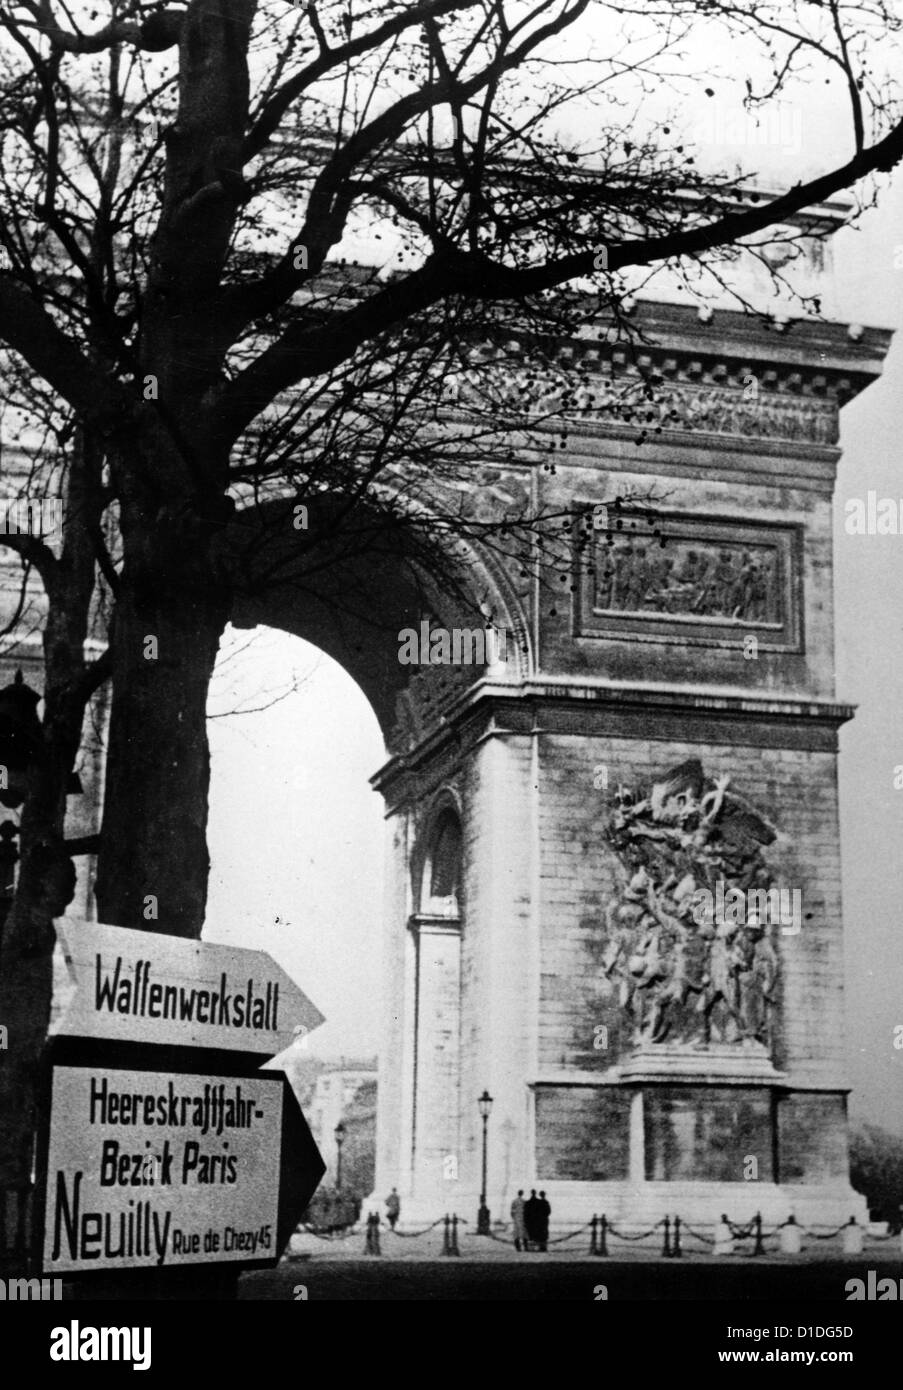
pixel 153 864
pixel 46 879
pixel 45 887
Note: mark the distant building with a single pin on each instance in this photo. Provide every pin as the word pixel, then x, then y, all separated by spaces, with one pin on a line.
pixel 332 1098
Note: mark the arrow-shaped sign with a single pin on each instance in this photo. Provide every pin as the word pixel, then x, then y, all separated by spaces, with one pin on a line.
pixel 149 1169
pixel 135 986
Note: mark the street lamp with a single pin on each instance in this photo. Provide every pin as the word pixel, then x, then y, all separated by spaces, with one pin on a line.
pixel 20 741
pixel 20 737
pixel 484 1105
pixel 339 1141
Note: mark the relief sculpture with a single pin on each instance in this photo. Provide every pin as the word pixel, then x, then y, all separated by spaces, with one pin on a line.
pixel 683 975
pixel 727 582
pixel 680 405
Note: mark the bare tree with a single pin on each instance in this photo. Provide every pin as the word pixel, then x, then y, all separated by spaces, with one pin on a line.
pixel 178 184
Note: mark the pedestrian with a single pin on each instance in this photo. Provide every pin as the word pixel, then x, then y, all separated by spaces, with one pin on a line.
pixel 531 1219
pixel 517 1217
pixel 543 1212
pixel 393 1207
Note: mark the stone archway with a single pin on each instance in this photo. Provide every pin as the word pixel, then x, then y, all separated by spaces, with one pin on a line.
pixel 635 664
pixel 354 608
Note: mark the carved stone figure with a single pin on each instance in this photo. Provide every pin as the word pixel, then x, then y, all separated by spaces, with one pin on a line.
pixel 685 975
pixel 735 583
pixel 676 404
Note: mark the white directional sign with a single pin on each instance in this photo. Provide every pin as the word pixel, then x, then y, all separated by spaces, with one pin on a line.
pixel 147 1169
pixel 135 986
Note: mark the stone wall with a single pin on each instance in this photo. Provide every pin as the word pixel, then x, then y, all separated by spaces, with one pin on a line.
pixel 795 788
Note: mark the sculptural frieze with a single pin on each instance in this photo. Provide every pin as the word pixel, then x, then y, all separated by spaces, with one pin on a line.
pixel 727 581
pixel 681 975
pixel 744 410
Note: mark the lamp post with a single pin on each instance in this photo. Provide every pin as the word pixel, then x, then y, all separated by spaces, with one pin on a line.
pixel 9 857
pixel 484 1105
pixel 20 738
pixel 20 741
pixel 339 1141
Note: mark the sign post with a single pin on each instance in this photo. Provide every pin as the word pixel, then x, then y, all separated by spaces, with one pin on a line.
pixel 165 1145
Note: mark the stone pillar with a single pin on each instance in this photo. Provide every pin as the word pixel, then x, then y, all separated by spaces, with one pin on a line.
pixel 396 1049
pixel 637 1141
pixel 437 1034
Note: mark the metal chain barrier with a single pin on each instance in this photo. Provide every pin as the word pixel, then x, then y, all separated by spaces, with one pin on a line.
pixel 328 1235
pixel 412 1235
pixel 645 1236
pixel 741 1231
pixel 345 1234
pixel 828 1235
pixel 570 1236
pixel 557 1240
pixel 698 1235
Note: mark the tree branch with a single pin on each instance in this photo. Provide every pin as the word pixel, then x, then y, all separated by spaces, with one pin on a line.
pixel 93 677
pixel 30 331
pixel 329 58
pixel 158 31
pixel 304 351
pixel 34 552
pixel 329 202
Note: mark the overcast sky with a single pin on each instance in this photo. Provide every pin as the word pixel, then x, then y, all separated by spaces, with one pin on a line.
pixel 296 833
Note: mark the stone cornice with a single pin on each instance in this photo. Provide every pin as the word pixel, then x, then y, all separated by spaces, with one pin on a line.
pixel 686 371
pixel 816 356
pixel 782 1081
pixel 849 356
pixel 431 924
pixel 564 705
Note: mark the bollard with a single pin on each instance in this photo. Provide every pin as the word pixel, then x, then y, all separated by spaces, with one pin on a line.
pixel 724 1238
pixel 791 1242
pixel 454 1235
pixel 758 1247
pixel 603 1235
pixel 675 1249
pixel 446 1242
pixel 666 1248
pixel 592 1239
pixel 852 1238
